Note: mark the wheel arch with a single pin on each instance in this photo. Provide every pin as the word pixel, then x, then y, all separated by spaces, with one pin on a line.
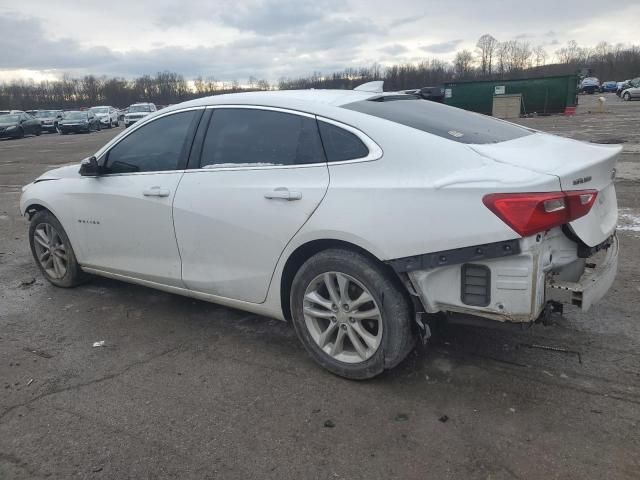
pixel 305 251
pixel 32 208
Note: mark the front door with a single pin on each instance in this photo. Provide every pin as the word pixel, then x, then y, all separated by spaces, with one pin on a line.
pixel 262 174
pixel 125 216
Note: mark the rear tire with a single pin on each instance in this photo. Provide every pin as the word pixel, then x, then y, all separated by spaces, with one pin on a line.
pixel 370 343
pixel 52 251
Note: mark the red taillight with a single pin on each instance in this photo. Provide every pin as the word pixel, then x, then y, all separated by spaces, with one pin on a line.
pixel 529 213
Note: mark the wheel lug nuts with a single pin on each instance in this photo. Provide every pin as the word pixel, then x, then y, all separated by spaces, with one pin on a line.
pixel 352 320
pixel 334 308
pixel 345 307
pixel 344 326
pixel 333 319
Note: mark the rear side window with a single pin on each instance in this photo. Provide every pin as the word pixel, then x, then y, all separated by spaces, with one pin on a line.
pixel 339 144
pixel 441 120
pixel 254 137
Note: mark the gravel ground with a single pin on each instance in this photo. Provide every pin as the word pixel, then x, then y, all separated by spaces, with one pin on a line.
pixel 186 389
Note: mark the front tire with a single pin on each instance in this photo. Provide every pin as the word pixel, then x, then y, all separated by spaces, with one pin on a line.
pixel 52 251
pixel 351 314
pixel 626 96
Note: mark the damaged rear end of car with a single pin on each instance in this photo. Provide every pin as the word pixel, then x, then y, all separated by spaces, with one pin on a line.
pixel 564 249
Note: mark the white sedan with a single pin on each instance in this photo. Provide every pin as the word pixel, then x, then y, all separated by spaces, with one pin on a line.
pixel 356 214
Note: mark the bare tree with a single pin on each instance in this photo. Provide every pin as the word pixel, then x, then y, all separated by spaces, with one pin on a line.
pixel 486 46
pixel 463 64
pixel 540 56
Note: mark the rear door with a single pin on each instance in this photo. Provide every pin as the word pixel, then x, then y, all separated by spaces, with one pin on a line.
pixel 262 173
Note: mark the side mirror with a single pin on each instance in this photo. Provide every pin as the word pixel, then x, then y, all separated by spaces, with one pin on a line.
pixel 90 167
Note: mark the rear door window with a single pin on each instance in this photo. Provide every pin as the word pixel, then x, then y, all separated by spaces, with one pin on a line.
pixel 442 120
pixel 255 137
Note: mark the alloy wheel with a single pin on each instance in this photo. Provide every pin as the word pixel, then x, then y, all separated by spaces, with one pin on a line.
pixel 50 250
pixel 342 317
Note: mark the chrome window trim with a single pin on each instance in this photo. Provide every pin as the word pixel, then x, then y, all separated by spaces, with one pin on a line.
pixel 139 124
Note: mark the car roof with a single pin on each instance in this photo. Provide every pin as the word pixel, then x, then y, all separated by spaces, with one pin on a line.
pixel 312 101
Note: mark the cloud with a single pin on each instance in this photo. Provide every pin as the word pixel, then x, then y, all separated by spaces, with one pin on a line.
pixel 399 22
pixel 289 53
pixel 25 45
pixel 394 49
pixel 277 16
pixel 442 47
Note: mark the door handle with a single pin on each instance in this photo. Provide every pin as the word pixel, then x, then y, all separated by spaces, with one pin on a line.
pixel 156 192
pixel 283 193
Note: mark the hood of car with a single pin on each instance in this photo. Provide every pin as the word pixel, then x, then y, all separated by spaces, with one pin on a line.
pixel 68 171
pixel 72 122
pixel 8 124
pixel 137 114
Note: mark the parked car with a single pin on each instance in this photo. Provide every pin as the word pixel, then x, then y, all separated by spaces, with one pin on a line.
pixel 609 86
pixel 349 212
pixel 622 86
pixel 631 93
pixel 5 112
pixel 631 89
pixel 49 119
pixel 590 85
pixel 138 111
pixel 75 121
pixel 17 125
pixel 107 115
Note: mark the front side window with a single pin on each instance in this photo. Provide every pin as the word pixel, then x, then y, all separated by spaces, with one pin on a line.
pixel 253 137
pixel 157 146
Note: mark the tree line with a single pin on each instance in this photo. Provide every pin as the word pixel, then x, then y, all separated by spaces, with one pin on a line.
pixel 491 59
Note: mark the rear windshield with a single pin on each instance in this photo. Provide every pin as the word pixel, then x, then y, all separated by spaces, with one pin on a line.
pixel 441 120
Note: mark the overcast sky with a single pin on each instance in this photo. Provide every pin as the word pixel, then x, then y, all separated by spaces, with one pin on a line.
pixel 231 40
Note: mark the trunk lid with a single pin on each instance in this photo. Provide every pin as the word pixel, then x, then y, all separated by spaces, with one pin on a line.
pixel 578 166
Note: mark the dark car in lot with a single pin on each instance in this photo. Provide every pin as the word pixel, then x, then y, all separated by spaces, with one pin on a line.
pixel 75 121
pixel 609 86
pixel 49 119
pixel 17 125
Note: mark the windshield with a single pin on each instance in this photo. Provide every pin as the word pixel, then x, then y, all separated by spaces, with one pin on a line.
pixel 46 113
pixel 139 108
pixel 100 109
pixel 75 115
pixel 9 118
pixel 442 120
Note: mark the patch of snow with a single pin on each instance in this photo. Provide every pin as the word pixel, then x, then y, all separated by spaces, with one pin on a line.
pixel 628 220
pixel 241 165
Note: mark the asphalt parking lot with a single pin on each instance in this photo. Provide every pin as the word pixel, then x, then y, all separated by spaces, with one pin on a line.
pixel 187 389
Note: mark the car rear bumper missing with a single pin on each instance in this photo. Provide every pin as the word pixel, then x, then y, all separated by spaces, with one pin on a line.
pixel 516 287
pixel 592 285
